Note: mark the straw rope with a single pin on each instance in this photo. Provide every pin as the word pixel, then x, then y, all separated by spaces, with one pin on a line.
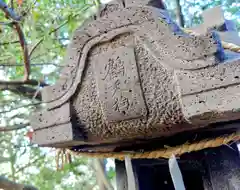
pixel 166 152
pixel 231 46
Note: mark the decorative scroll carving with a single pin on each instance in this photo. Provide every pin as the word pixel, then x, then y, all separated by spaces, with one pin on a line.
pixel 133 73
pixel 134 19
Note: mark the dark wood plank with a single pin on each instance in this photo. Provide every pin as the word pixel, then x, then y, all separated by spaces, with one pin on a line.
pixel 209 169
pixel 223 166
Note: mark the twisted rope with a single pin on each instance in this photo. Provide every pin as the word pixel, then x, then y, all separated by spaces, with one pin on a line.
pixel 167 152
pixel 230 46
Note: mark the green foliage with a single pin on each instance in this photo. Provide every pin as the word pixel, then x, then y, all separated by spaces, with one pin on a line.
pixel 111 173
pixel 192 10
pixel 52 23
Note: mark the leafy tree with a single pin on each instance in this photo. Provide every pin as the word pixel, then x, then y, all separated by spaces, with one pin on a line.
pixel 33 45
pixel 192 9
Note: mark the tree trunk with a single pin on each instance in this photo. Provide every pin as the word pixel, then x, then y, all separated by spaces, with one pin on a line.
pixel 102 180
pixel 179 14
pixel 100 174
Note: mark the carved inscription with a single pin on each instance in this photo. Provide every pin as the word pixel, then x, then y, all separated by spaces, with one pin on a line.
pixel 118 85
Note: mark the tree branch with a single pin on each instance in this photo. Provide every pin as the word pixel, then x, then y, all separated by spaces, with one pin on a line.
pixel 9 12
pixel 101 174
pixel 7 43
pixel 6 184
pixel 27 82
pixel 4 102
pixel 18 107
pixel 6 23
pixel 14 127
pixel 17 41
pixel 35 46
pixel 18 87
pixel 54 30
pixel 30 163
pixel 17 115
pixel 49 33
pixel 32 65
pixel 25 91
pixel 23 43
pixel 179 14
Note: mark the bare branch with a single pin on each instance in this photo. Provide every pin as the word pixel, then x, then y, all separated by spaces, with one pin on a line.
pixel 17 41
pixel 35 46
pixel 17 115
pixel 7 43
pixel 10 185
pixel 49 33
pixel 21 90
pixel 18 87
pixel 25 91
pixel 9 12
pixel 54 30
pixel 32 65
pixel 30 163
pixel 18 107
pixel 27 82
pixel 14 127
pixel 6 23
pixel 4 102
pixel 46 52
pixel 25 50
pixel 29 9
